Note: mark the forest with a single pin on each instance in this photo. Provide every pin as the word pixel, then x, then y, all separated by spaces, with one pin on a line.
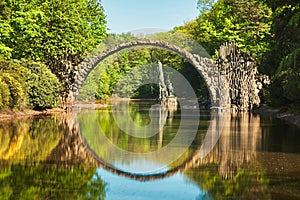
pixel 41 42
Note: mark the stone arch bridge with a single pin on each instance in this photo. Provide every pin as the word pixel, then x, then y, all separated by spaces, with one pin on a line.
pixel 216 84
pixel 232 81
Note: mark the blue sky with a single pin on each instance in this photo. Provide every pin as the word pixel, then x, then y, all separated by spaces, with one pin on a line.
pixel 129 15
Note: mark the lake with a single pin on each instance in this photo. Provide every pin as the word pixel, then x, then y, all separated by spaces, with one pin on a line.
pixel 141 150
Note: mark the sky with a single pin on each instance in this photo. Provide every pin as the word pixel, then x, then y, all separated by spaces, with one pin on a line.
pixel 129 15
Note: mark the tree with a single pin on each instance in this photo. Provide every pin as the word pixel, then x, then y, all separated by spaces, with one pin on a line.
pixel 282 61
pixel 245 22
pixel 57 33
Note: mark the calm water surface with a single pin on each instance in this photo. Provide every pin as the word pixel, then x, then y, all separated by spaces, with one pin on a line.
pixel 86 155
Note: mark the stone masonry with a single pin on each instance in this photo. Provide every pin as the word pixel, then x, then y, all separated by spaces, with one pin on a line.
pixel 240 71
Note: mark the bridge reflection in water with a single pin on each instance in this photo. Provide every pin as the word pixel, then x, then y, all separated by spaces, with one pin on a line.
pixel 228 155
pixel 230 140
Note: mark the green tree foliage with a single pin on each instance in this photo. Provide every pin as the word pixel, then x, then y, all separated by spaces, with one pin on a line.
pixel 5 30
pixel 282 61
pixel 116 39
pixel 106 83
pixel 285 28
pixel 245 22
pixel 205 5
pixel 108 72
pixel 268 30
pixel 111 71
pixel 87 91
pixel 43 86
pixel 15 88
pixel 27 83
pixel 4 94
pixel 100 82
pixel 12 79
pixel 57 33
pixel 126 61
pixel 286 82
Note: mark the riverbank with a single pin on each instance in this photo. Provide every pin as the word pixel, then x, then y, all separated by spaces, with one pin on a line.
pixel 10 115
pixel 293 118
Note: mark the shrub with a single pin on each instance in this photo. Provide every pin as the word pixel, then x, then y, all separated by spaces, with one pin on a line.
pixel 4 94
pixel 25 82
pixel 16 99
pixel 43 86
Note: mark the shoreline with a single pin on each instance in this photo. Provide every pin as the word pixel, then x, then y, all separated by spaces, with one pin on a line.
pixel 293 118
pixel 12 115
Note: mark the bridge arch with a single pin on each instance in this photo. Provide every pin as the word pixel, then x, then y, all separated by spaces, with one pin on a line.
pixel 216 83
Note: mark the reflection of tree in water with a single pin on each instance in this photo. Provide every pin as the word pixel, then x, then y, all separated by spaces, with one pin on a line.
pixel 32 167
pixel 140 115
pixel 230 170
pixel 30 139
pixel 49 181
pixel 70 150
pixel 248 183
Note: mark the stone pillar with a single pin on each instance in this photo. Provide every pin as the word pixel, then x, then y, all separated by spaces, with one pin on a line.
pixel 242 76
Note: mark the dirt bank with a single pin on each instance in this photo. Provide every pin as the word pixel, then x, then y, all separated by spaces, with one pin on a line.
pixel 11 115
